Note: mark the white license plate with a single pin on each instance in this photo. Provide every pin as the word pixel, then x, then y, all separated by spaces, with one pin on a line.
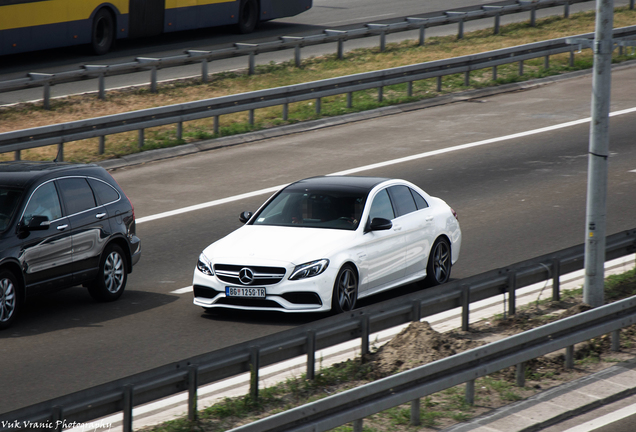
pixel 244 292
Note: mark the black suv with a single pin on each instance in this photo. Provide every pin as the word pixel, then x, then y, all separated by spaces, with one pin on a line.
pixel 62 225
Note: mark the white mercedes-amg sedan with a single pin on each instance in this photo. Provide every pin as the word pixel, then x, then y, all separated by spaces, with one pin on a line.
pixel 321 243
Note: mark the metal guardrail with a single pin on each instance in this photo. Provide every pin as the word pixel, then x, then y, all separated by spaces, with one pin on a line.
pixel 215 107
pixel 458 16
pixel 251 356
pixel 409 386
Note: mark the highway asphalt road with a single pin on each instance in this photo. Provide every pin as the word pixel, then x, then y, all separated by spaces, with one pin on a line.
pixel 333 14
pixel 517 198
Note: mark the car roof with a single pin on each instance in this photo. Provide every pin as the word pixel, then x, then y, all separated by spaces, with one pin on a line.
pixel 21 174
pixel 355 184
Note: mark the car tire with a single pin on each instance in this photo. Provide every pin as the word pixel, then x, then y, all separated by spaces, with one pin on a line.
pixel 247 16
pixel 111 279
pixel 438 268
pixel 9 300
pixel 103 32
pixel 345 290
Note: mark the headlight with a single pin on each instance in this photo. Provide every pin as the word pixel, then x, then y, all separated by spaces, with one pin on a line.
pixel 204 265
pixel 309 269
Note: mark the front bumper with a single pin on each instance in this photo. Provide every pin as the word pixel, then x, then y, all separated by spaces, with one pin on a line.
pixel 307 295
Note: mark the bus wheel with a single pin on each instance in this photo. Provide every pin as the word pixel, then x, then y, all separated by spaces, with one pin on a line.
pixel 103 34
pixel 248 16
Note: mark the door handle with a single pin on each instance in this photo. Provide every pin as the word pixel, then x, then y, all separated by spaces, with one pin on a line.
pixel 429 218
pixel 62 227
pixel 100 215
pixel 397 228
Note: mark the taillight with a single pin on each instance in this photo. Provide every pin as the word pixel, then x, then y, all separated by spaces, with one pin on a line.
pixel 454 213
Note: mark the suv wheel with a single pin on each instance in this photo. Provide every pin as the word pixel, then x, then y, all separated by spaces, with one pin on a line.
pixel 112 276
pixel 8 299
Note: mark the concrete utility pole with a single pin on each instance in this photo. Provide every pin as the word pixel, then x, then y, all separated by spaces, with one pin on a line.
pixel 593 290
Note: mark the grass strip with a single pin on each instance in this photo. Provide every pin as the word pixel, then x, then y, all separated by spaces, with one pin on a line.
pixel 23 116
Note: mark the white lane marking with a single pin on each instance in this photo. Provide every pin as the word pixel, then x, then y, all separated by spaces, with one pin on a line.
pixel 182 290
pixel 380 165
pixel 605 420
pixel 634 171
pixel 358 19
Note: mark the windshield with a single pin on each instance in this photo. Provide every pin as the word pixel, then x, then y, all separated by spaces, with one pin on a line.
pixel 315 209
pixel 9 199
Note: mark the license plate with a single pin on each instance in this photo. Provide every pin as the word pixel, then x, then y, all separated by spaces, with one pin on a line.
pixel 244 292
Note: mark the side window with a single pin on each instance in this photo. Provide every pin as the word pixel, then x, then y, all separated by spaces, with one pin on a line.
pixel 403 200
pixel 44 202
pixel 381 207
pixel 419 201
pixel 77 195
pixel 104 193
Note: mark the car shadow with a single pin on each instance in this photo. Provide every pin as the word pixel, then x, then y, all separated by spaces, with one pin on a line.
pixel 74 308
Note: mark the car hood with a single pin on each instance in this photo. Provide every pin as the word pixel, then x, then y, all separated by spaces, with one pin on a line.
pixel 254 244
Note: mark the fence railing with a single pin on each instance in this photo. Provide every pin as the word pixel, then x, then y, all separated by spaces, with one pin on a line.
pixel 458 16
pixel 251 356
pixel 283 96
pixel 409 386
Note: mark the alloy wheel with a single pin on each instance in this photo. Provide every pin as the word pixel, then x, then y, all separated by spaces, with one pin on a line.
pixel 347 287
pixel 114 272
pixel 7 299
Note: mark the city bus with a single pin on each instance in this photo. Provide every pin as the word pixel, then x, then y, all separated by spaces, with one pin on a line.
pixel 29 25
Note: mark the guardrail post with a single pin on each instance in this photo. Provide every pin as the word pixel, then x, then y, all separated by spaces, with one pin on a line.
pixel 556 279
pixel 254 366
pixel 285 111
pixel 217 120
pixel 357 425
pixel 204 62
pixel 128 408
pixel 342 36
pixel 572 57
pixel 251 117
pixel 380 93
pixel 102 145
pixel 16 155
pixel 409 89
pixel 46 99
pixel 416 311
pixel 415 412
pixel 252 54
pixel 439 83
pixel 318 107
pixel 546 62
pixel 521 68
pixel 297 47
pixel 382 28
pixel 364 336
pixel 497 16
pixel 566 9
pixel 512 286
pixel 101 81
pixel 153 71
pixel 421 22
pixel 141 137
pixel 470 392
pixel 465 299
pixel 521 375
pixel 311 354
pixel 494 73
pixel 60 152
pixel 460 22
pixel 193 375
pixel 57 418
pixel 616 340
pixel 179 131
pixel 569 357
pixel 350 100
pixel 466 78
pixel 631 4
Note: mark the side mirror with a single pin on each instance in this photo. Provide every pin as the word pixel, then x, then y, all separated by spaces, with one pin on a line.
pixel 245 216
pixel 37 223
pixel 379 224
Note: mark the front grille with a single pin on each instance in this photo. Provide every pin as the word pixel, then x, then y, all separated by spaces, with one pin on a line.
pixel 262 275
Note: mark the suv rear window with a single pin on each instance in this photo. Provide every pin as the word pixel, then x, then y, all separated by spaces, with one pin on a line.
pixel 103 192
